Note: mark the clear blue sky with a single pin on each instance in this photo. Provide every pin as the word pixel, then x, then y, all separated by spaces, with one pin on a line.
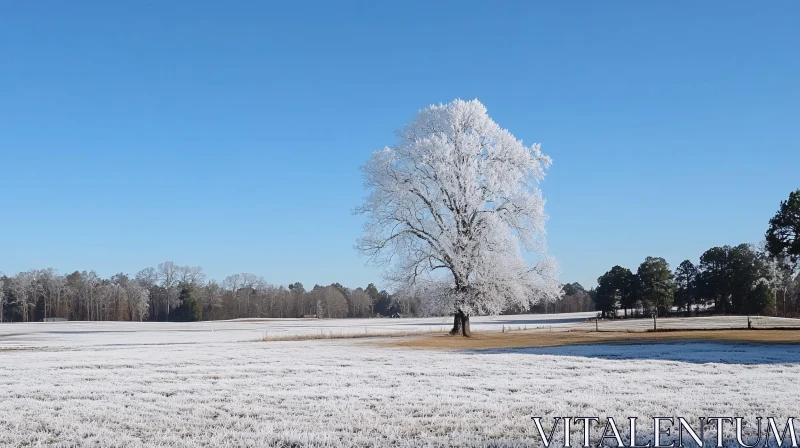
pixel 229 134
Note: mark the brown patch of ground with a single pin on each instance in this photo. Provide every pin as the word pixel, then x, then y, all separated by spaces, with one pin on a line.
pixel 550 339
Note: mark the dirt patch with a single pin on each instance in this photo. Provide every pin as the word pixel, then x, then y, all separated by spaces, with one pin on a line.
pixel 552 339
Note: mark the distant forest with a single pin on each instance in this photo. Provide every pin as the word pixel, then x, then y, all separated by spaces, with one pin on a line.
pixel 170 292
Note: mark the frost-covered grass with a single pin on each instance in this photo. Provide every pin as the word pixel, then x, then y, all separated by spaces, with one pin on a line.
pixel 70 334
pixel 74 391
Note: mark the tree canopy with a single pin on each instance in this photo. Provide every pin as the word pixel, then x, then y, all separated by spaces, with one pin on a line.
pixel 616 288
pixel 655 283
pixel 784 228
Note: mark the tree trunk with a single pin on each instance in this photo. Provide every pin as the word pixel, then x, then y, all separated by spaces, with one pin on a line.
pixel 460 324
pixel 456 324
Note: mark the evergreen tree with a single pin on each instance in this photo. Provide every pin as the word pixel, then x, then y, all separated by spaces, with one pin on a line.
pixel 188 310
pixel 604 300
pixel 655 284
pixel 612 290
pixel 784 229
pixel 729 275
pixel 759 298
pixel 686 285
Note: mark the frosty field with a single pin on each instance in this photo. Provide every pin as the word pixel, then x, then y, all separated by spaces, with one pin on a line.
pixel 70 334
pixel 158 384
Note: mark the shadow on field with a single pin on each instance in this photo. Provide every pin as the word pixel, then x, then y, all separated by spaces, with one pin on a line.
pixel 691 352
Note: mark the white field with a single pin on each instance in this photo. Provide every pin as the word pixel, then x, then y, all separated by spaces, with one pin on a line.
pixel 71 334
pixel 217 384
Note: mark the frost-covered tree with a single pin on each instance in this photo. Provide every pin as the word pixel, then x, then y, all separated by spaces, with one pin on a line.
pixel 334 303
pixel 138 300
pixel 360 303
pixel 191 275
pixel 24 289
pixel 213 298
pixel 449 206
pixel 242 287
pixel 168 275
pixel 778 275
pixel 248 285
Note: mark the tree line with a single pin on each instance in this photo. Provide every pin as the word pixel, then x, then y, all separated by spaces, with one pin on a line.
pixel 170 292
pixel 727 280
pixel 739 279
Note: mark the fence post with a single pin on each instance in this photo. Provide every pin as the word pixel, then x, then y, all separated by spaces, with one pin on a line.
pixel 596 325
